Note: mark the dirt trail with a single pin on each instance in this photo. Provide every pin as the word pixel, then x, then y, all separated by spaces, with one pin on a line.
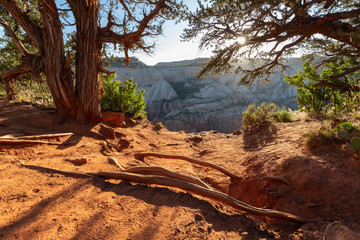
pixel 38 205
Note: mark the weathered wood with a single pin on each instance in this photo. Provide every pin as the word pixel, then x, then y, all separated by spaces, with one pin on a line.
pixel 154 170
pixel 114 161
pixel 195 161
pixel 42 136
pixel 25 141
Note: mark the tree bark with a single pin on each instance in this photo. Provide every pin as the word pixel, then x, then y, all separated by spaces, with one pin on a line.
pixel 88 60
pixel 57 71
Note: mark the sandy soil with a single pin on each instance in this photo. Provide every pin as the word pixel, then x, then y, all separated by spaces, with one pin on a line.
pixel 42 205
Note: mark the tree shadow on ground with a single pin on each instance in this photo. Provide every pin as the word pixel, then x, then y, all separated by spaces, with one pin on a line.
pixel 259 137
pixel 29 217
pixel 220 220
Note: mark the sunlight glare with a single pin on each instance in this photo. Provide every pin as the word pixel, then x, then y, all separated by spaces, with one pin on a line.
pixel 241 40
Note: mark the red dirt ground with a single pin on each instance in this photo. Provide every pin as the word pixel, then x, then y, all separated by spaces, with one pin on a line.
pixel 40 205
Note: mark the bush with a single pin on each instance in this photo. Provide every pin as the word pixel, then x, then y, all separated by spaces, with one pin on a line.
pixel 283 116
pixel 346 126
pixel 123 97
pixel 256 116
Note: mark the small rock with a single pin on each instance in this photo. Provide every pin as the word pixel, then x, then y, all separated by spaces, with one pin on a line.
pixel 108 132
pixel 114 119
pixel 77 161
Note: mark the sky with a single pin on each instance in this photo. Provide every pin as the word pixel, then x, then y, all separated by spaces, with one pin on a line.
pixel 169 47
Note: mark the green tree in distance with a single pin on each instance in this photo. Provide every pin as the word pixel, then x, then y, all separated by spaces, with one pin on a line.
pixel 76 91
pixel 268 31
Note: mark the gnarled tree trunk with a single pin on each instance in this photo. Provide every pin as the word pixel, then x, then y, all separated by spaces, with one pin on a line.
pixel 57 71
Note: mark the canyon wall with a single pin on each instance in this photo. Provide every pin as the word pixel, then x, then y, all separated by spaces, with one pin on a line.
pixel 181 101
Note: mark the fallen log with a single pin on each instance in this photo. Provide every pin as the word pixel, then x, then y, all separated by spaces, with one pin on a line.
pixel 42 136
pixel 195 161
pixel 189 187
pixel 25 141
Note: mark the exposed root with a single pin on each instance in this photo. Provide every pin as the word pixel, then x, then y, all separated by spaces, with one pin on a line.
pixel 189 187
pixel 154 170
pixel 195 161
pixel 113 160
pixel 167 173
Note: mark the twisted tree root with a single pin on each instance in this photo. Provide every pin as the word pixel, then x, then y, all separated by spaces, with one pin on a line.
pixel 160 171
pixel 155 170
pixel 189 187
pixel 195 161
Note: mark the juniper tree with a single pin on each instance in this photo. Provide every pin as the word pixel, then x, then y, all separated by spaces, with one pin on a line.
pixel 123 23
pixel 273 30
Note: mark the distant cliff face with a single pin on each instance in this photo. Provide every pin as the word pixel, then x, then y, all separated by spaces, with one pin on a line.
pixel 176 97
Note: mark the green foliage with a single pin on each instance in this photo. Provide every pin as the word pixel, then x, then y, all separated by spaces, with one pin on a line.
pixel 256 116
pixel 319 101
pixel 347 126
pixel 283 116
pixel 123 97
pixel 355 143
pixel 33 92
pixel 220 23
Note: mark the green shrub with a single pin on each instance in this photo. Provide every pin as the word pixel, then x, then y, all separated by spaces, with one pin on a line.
pixel 283 116
pixel 256 116
pixel 123 97
pixel 346 126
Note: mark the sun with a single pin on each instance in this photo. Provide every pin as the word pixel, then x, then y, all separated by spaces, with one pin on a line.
pixel 241 40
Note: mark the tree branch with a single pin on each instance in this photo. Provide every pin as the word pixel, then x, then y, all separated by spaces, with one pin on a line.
pixel 31 28
pixel 339 87
pixel 13 36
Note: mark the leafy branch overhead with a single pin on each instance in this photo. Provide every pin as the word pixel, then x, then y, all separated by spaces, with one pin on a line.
pixel 273 30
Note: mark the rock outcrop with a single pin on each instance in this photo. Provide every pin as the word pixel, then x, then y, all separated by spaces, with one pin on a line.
pixel 176 97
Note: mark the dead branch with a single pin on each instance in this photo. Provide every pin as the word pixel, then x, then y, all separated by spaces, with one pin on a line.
pixel 169 182
pixel 55 135
pixel 13 36
pixel 277 178
pixel 113 160
pixel 155 170
pixel 207 164
pixel 21 141
pixel 160 171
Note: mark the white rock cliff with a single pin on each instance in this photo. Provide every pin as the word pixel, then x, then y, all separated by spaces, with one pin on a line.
pixel 176 97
